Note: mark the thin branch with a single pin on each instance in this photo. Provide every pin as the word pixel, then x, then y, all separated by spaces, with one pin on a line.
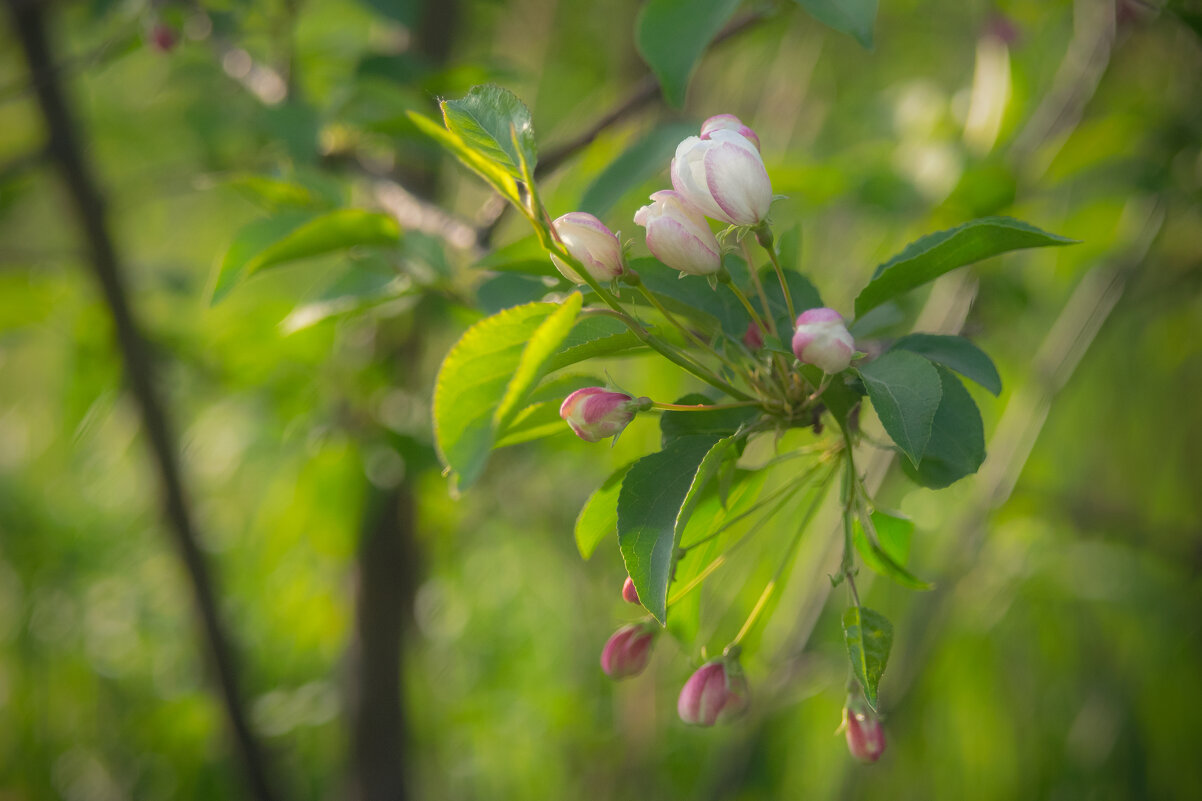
pixel 65 150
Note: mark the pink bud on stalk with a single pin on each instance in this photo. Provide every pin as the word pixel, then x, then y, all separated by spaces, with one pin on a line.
pixel 627 652
pixel 723 176
pixel 716 693
pixel 678 235
pixel 595 413
pixel 754 338
pixel 591 244
pixel 629 594
pixel 729 122
pixel 822 340
pixel 865 735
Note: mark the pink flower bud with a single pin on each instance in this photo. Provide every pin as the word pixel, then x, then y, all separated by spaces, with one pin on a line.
pixel 629 594
pixel 754 338
pixel 591 244
pixel 716 693
pixel 678 235
pixel 822 339
pixel 162 37
pixel 595 413
pixel 865 735
pixel 729 122
pixel 627 651
pixel 723 176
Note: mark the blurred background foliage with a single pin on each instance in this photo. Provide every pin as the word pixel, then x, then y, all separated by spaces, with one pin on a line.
pixel 1059 656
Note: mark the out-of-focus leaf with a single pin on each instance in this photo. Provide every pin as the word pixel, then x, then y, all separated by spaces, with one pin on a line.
pixel 672 35
pixel 957 444
pixel 652 496
pixel 933 255
pixel 854 17
pixel 888 554
pixel 294 236
pixel 488 119
pixel 640 162
pixel 956 353
pixel 274 194
pixel 905 391
pixel 598 517
pixel 406 12
pixel 869 637
pixel 524 255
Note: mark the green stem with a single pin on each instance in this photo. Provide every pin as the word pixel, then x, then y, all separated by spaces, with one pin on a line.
pixel 701 407
pixel 655 301
pixel 850 480
pixel 780 276
pixel 759 288
pixel 755 317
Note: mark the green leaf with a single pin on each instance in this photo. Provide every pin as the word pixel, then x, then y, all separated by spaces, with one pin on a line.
pixel 594 338
pixel 718 423
pixel 273 193
pixel 887 555
pixel 533 364
pixel 292 236
pixel 639 162
pixel 804 295
pixel 933 255
pixel 476 375
pixel 486 119
pixel 525 255
pixel 905 391
pixel 869 636
pixel 854 17
pixel 957 444
pixel 710 310
pixel 672 35
pixel 598 518
pixel 497 177
pixel 652 496
pixel 957 353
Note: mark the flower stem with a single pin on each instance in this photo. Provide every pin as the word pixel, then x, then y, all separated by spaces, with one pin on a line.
pixel 655 301
pixel 701 407
pixel 780 276
pixel 759 287
pixel 850 479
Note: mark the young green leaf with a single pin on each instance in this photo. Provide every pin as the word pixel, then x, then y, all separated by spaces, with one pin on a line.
pixel 652 495
pixel 533 363
pixel 671 36
pixel 905 391
pixel 854 17
pixel 957 353
pixel 598 517
pixel 869 636
pixel 489 119
pixel 292 236
pixel 476 376
pixel 497 177
pixel 957 444
pixel 640 162
pixel 717 423
pixel 933 255
pixel 594 338
pixel 887 554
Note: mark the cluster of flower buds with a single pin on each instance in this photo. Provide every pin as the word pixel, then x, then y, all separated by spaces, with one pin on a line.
pixel 595 413
pixel 862 727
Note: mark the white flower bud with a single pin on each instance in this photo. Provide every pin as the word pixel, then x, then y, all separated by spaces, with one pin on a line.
pixel 678 235
pixel 723 176
pixel 822 340
pixel 590 243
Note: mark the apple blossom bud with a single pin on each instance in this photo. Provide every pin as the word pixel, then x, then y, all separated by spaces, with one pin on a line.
pixel 729 122
pixel 716 693
pixel 723 176
pixel 595 413
pixel 822 339
pixel 627 652
pixel 162 37
pixel 865 735
pixel 629 594
pixel 591 244
pixel 754 338
pixel 678 235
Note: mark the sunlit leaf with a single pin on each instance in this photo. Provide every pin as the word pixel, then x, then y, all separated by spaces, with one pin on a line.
pixel 488 119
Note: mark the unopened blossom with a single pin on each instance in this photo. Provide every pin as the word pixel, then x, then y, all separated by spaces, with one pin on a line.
pixel 715 693
pixel 821 339
pixel 595 413
pixel 627 652
pixel 723 177
pixel 629 594
pixel 865 735
pixel 754 338
pixel 729 122
pixel 591 244
pixel 678 235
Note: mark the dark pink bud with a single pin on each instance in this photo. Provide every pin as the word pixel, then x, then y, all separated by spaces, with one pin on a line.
pixel 629 594
pixel 865 735
pixel 595 413
pixel 627 651
pixel 716 693
pixel 162 38
pixel 754 338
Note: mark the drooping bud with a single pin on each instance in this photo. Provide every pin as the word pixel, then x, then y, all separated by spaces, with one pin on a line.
pixel 729 122
pixel 595 413
pixel 723 176
pixel 678 235
pixel 629 594
pixel 590 243
pixel 715 693
pixel 627 652
pixel 754 338
pixel 821 339
pixel 865 735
